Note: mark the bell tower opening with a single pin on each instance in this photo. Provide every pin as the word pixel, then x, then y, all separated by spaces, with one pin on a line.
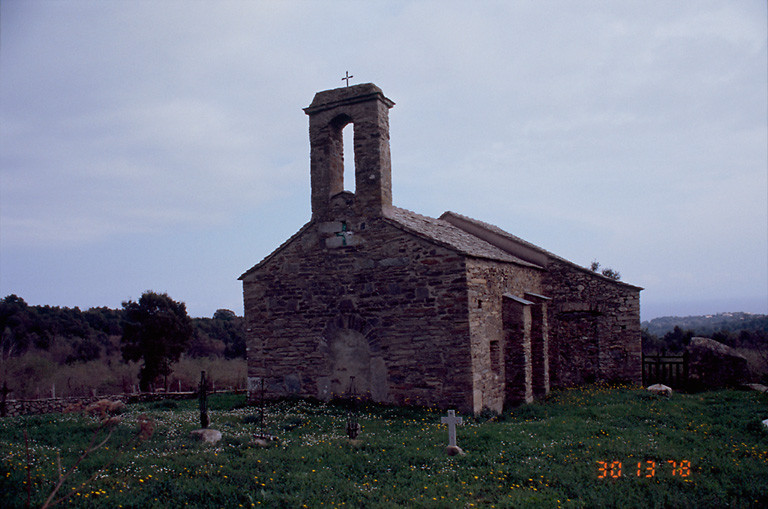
pixel 348 158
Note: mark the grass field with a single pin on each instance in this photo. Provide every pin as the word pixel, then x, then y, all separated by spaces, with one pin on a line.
pixel 588 447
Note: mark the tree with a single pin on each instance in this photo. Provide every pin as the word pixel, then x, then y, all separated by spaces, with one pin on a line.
pixel 156 329
pixel 225 315
pixel 607 272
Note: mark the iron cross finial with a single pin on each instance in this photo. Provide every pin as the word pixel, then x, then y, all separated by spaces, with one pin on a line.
pixel 347 77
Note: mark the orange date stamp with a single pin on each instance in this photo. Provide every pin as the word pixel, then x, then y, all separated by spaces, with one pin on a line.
pixel 646 469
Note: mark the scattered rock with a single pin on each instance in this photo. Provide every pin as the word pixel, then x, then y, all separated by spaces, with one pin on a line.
pixel 454 450
pixel 105 407
pixel 210 436
pixel 660 390
pixel 74 408
pixel 264 440
pixel 757 387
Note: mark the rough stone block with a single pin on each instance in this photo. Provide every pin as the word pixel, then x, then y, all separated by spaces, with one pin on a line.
pixel 207 435
pixel 660 390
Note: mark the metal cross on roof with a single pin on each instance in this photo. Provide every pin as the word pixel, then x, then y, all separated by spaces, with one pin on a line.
pixel 347 77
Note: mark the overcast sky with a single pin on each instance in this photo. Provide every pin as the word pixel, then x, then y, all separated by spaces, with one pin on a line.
pixel 161 144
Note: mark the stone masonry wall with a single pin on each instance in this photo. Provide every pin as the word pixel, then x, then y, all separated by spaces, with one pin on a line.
pixel 518 366
pixel 388 304
pixel 487 282
pixel 16 407
pixel 367 109
pixel 594 326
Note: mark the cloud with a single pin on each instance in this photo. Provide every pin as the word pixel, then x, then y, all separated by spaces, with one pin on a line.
pixel 634 133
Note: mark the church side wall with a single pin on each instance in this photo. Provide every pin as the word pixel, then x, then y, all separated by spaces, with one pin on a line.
pixel 594 326
pixel 310 306
pixel 487 281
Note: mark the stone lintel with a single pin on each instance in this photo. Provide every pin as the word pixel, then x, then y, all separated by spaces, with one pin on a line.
pixel 330 227
pixel 519 300
pixel 536 297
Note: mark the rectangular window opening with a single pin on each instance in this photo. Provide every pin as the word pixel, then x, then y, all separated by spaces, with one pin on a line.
pixel 349 157
pixel 495 357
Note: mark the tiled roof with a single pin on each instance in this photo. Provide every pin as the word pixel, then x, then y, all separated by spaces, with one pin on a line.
pixel 527 247
pixel 444 233
pixel 498 231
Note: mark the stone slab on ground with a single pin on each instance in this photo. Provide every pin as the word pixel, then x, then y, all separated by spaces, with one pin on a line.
pixel 660 389
pixel 264 440
pixel 210 436
pixel 757 387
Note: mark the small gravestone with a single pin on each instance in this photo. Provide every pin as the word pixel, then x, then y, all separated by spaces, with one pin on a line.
pixel 353 427
pixel 452 421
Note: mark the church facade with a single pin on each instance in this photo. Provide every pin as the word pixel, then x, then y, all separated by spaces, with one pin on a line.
pixel 375 300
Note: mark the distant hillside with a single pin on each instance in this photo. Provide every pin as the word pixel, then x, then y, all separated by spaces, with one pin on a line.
pixel 707 325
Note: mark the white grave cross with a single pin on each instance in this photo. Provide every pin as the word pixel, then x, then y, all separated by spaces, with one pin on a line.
pixel 451 421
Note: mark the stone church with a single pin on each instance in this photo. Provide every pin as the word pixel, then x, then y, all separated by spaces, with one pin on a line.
pixel 375 300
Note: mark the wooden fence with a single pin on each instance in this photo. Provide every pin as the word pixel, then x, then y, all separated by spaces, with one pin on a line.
pixel 670 370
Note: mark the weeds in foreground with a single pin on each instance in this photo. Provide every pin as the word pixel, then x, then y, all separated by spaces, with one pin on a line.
pixel 563 452
pixel 99 438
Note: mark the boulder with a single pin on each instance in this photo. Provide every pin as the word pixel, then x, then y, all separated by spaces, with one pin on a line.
pixel 660 390
pixel 209 436
pixel 714 365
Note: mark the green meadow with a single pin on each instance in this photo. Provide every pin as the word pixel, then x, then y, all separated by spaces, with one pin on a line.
pixel 590 447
